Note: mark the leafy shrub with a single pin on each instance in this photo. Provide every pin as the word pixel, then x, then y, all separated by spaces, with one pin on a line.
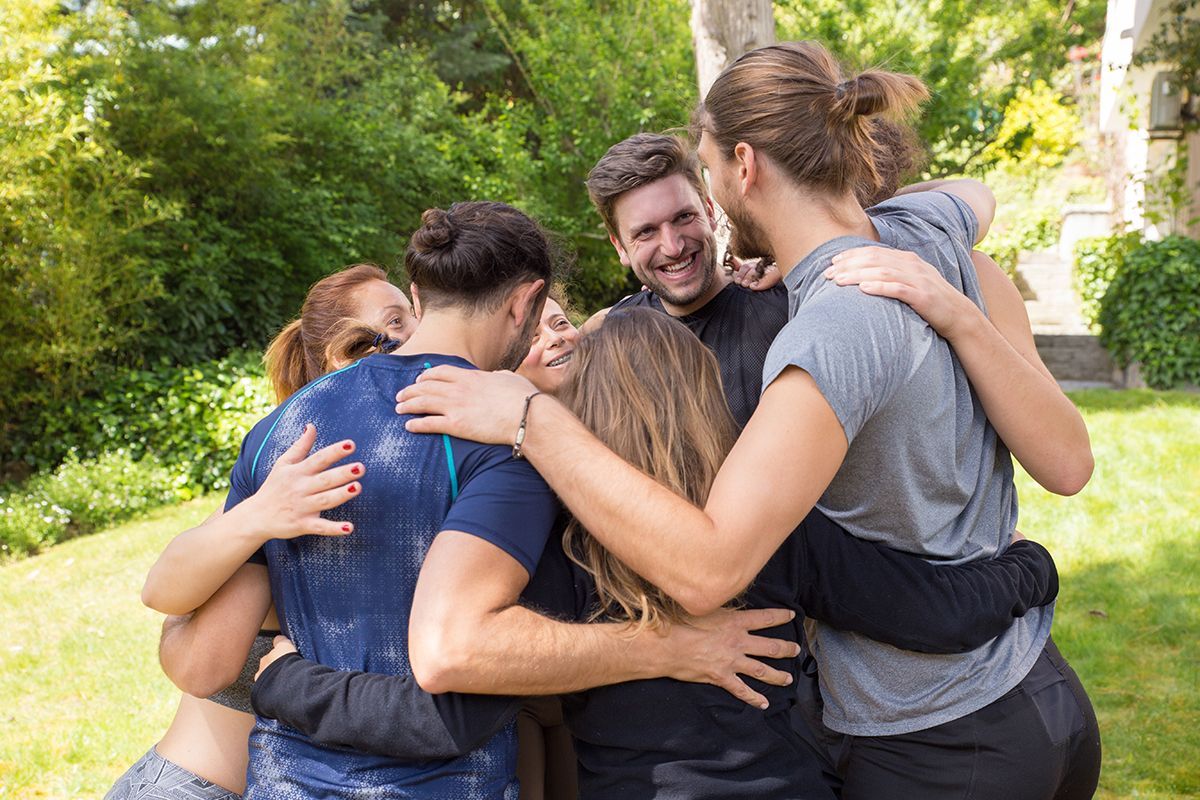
pixel 79 497
pixel 1096 262
pixel 190 420
pixel 1151 311
pixel 147 437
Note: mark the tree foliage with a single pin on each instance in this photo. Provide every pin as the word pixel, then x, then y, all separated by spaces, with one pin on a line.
pixel 71 212
pixel 975 56
pixel 177 173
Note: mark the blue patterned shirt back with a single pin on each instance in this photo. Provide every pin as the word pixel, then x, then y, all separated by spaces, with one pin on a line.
pixel 345 601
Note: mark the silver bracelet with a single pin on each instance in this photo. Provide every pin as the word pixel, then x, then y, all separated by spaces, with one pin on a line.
pixel 520 440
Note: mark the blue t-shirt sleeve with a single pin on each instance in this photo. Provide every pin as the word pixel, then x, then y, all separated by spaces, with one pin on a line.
pixel 505 502
pixel 241 483
pixel 241 480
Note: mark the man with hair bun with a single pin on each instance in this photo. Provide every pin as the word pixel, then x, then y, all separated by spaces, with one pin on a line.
pixel 480 272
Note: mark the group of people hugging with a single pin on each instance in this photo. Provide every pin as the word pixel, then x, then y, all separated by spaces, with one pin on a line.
pixel 750 533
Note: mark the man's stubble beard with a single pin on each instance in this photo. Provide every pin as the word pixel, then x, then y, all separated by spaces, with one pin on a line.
pixel 518 348
pixel 708 265
pixel 747 239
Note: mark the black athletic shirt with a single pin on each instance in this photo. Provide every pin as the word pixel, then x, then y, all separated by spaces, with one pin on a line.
pixel 738 326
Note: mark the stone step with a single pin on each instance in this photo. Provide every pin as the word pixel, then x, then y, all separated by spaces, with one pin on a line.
pixel 1051 300
pixel 1076 357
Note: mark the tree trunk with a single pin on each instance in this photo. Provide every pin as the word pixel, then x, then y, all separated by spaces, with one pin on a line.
pixel 724 29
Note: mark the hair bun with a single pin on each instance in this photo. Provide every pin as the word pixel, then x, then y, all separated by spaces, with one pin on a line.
pixel 436 231
pixel 874 92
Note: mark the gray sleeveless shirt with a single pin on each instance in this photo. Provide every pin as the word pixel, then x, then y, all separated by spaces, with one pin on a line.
pixel 237 695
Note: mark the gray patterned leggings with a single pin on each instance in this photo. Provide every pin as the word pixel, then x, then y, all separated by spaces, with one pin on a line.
pixel 155 778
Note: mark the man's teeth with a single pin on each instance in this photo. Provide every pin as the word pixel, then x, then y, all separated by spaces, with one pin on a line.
pixel 558 362
pixel 678 266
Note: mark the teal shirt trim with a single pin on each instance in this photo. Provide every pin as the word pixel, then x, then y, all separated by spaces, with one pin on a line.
pixel 450 466
pixel 283 409
pixel 449 460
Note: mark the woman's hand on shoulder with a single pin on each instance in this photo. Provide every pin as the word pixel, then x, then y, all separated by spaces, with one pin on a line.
pixel 906 277
pixel 301 485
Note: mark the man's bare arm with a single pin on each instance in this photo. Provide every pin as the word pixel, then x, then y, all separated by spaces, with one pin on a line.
pixel 467 634
pixel 204 652
pixel 702 558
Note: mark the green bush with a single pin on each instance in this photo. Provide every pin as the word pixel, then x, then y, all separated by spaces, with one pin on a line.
pixel 146 437
pixel 1096 262
pixel 1150 313
pixel 79 497
pixel 189 419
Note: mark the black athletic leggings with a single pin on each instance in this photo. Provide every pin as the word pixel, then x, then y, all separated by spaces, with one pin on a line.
pixel 1038 742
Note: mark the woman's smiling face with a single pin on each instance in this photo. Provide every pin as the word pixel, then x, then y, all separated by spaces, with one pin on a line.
pixel 550 353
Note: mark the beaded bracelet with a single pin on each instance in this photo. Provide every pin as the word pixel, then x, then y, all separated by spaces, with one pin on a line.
pixel 520 440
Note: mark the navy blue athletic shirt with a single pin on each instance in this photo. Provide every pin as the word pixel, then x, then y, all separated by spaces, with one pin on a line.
pixel 345 601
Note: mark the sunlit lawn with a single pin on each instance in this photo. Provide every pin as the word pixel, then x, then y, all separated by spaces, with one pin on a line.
pixel 81 696
pixel 1128 548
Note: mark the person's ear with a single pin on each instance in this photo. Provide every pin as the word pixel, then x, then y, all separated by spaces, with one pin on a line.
pixel 522 302
pixel 747 167
pixel 620 248
pixel 416 300
pixel 710 209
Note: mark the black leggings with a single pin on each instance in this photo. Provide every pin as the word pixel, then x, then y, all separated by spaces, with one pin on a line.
pixel 1038 742
pixel 546 765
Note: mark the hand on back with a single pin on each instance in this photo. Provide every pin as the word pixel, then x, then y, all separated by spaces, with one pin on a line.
pixel 755 273
pixel 903 276
pixel 302 485
pixel 720 648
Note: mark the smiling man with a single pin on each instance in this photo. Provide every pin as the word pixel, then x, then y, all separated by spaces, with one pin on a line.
pixel 651 195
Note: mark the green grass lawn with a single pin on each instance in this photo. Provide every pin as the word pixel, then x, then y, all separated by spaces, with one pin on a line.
pixel 1128 550
pixel 81 696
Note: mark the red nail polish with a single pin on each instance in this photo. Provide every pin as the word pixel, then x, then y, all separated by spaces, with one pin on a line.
pixel 355 470
pixel 347 446
pixel 351 488
pixel 346 528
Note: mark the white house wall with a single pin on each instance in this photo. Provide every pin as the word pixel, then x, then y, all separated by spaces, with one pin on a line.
pixel 1125 110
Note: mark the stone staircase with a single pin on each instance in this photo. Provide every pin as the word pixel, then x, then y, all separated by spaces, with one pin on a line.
pixel 1072 354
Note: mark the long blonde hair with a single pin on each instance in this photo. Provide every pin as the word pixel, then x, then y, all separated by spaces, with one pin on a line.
pixel 646 386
